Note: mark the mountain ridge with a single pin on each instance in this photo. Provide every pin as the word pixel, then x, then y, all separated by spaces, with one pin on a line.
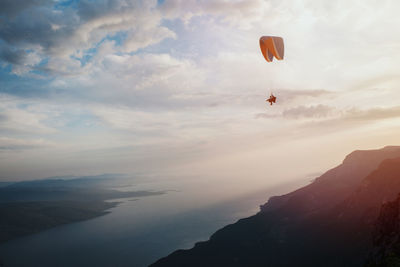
pixel 328 219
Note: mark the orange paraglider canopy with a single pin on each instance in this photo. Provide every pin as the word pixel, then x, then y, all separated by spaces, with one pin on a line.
pixel 272 46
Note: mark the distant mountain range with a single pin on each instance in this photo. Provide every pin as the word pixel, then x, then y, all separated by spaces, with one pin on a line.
pixel 346 217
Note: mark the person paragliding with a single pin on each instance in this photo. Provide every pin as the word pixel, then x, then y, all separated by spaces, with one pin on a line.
pixel 271 99
pixel 272 47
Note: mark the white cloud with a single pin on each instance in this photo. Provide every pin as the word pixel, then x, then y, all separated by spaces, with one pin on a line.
pixel 14 119
pixel 304 112
pixel 143 37
pixel 8 144
pixel 62 34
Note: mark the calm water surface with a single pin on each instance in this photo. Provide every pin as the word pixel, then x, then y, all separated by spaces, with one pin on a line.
pixel 138 231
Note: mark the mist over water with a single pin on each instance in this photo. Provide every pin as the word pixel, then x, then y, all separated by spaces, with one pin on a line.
pixel 140 230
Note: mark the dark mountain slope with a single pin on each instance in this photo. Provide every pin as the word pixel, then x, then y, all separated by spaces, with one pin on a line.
pixel 336 184
pixel 326 223
pixel 386 236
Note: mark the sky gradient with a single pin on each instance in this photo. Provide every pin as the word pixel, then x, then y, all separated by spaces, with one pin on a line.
pixel 178 87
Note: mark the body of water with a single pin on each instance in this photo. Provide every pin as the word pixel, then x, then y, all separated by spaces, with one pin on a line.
pixel 138 231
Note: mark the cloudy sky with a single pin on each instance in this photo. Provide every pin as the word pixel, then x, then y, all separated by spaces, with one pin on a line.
pixel 178 87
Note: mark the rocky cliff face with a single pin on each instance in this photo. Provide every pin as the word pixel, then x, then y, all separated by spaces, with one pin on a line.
pixel 386 236
pixel 336 184
pixel 327 223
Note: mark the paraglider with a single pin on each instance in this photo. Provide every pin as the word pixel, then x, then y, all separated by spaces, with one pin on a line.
pixel 272 46
pixel 271 99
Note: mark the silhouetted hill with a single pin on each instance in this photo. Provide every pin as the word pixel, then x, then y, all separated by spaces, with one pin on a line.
pixel 336 184
pixel 386 237
pixel 327 223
